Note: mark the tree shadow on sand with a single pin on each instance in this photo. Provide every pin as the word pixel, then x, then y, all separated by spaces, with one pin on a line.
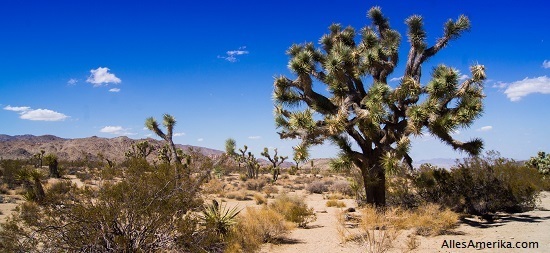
pixel 498 220
pixel 286 240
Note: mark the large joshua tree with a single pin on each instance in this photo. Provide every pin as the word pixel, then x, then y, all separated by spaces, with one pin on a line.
pixel 361 108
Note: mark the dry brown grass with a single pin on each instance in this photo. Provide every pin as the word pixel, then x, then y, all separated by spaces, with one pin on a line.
pixel 432 220
pixel 334 196
pixel 214 186
pixel 238 195
pixel 294 209
pixel 257 226
pixel 378 229
pixel 260 199
pixel 270 190
pixel 335 203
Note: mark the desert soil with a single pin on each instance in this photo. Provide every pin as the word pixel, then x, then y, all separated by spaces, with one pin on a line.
pixel 322 235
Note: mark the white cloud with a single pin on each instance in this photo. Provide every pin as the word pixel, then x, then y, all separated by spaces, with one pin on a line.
pixel 231 55
pixel 114 90
pixel 463 77
pixel 396 79
pixel 17 109
pixel 254 137
pixel 546 64
pixel 101 76
pixel 72 81
pixel 178 134
pixel 43 115
pixel 519 89
pixel 200 139
pixel 455 132
pixel 27 113
pixel 118 130
pixel 485 128
pixel 112 129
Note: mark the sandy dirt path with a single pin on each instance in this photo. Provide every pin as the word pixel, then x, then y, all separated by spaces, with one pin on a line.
pixel 322 236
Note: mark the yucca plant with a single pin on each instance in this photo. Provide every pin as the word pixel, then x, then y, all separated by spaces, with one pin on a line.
pixel 31 180
pixel 219 217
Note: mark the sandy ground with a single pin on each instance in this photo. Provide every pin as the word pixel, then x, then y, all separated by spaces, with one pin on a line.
pixel 322 235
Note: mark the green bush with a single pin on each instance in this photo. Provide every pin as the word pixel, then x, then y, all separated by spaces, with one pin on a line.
pixel 147 211
pixel 481 185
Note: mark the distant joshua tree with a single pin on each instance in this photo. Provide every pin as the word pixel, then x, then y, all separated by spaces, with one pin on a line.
pixel 378 118
pixel 51 161
pixel 275 161
pixel 169 122
pixel 244 157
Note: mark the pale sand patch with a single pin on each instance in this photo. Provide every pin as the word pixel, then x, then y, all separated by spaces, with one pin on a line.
pixel 533 226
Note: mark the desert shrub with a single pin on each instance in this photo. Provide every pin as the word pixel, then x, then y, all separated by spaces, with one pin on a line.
pixel 481 186
pixel 257 226
pixel 334 196
pixel 294 209
pixel 213 186
pixel 255 184
pixel 270 190
pixel 143 212
pixel 84 175
pixel 335 203
pixel 9 169
pixel 60 192
pixel 317 187
pixel 260 199
pixel 4 189
pixel 401 192
pixel 342 187
pixel 238 195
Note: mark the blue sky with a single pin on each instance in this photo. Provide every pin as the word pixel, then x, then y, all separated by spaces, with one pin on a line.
pixel 81 68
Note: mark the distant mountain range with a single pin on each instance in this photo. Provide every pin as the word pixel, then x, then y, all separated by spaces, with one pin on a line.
pixel 24 146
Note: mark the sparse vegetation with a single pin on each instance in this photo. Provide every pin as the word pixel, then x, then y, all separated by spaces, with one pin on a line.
pixel 317 187
pixel 255 227
pixel 260 199
pixel 294 209
pixel 335 203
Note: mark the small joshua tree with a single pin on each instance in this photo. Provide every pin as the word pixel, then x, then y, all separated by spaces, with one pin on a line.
pixel 276 162
pixel 169 122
